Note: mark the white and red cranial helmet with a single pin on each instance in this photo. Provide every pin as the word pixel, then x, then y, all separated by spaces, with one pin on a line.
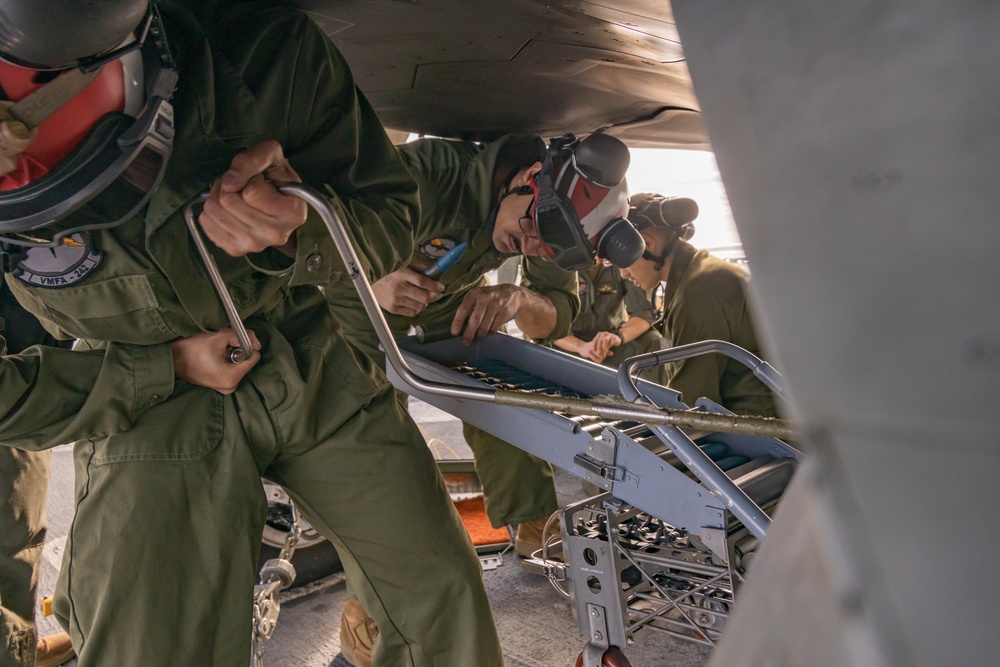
pixel 86 127
pixel 596 205
pixel 583 202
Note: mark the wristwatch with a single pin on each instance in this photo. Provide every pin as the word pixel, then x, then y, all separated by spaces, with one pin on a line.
pixel 621 336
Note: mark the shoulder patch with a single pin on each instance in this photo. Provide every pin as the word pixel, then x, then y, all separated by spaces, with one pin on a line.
pixel 436 248
pixel 62 266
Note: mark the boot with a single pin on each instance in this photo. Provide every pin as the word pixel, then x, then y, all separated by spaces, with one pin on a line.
pixel 529 535
pixel 357 634
pixel 53 650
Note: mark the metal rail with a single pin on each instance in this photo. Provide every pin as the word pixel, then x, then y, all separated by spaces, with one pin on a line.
pixel 717 482
pixel 761 369
pixel 609 407
pixel 245 350
pixel 617 409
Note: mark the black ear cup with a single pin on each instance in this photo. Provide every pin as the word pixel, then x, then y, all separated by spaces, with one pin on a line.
pixel 603 159
pixel 620 243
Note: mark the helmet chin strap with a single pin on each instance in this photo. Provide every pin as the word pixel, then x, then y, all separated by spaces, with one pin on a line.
pixel 661 259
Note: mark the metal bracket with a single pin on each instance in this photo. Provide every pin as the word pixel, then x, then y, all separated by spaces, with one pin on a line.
pixel 490 562
pixel 593 656
pixel 598 626
pixel 715 539
pixel 606 472
pixel 552 569
pixel 600 460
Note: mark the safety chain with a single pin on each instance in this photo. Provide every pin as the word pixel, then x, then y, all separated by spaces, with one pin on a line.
pixel 276 575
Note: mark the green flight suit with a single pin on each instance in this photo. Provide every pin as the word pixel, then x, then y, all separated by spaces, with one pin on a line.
pixel 23 483
pixel 160 562
pixel 706 299
pixel 607 301
pixel 24 480
pixel 456 201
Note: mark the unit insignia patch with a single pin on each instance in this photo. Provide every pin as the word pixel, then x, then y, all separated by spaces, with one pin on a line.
pixel 436 248
pixel 63 266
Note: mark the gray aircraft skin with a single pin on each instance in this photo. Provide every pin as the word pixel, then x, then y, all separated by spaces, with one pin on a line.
pixel 858 143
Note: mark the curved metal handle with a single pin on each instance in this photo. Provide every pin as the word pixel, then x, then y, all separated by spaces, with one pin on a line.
pixel 342 241
pixel 762 370
pixel 717 482
pixel 245 350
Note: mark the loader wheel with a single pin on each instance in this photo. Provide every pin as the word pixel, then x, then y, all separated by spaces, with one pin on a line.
pixel 613 657
pixel 314 558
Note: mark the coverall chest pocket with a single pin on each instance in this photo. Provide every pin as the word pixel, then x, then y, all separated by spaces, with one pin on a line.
pixel 185 427
pixel 122 309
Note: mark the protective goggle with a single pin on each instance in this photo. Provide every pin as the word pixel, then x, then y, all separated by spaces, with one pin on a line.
pixel 600 162
pixel 560 232
pixel 558 246
pixel 564 242
pixel 109 177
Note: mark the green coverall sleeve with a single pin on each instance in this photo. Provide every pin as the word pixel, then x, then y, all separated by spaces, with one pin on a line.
pixel 637 303
pixel 703 315
pixel 334 140
pixel 558 286
pixel 51 396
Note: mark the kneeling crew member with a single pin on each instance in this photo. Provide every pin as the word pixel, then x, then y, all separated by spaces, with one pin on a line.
pixel 705 299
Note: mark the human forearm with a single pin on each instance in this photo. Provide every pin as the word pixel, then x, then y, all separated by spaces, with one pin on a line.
pixel 52 396
pixel 536 315
pixel 570 343
pixel 559 288
pixel 633 328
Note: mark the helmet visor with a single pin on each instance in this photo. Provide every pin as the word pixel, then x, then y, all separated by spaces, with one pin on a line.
pixel 110 176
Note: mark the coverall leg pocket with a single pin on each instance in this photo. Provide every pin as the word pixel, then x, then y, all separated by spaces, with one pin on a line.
pixel 161 557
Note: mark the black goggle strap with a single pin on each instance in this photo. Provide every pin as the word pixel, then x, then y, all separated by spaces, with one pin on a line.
pixel 661 259
pixel 522 190
pixel 505 188
pixel 545 196
pixel 150 29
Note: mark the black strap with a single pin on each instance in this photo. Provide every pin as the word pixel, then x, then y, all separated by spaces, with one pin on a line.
pixel 661 259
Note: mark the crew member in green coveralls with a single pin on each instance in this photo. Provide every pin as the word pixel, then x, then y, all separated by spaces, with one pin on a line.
pixel 160 562
pixel 488 197
pixel 615 321
pixel 483 195
pixel 705 299
pixel 24 474
pixel 23 483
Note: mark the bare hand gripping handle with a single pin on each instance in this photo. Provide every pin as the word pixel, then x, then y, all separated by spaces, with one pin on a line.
pixel 343 242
